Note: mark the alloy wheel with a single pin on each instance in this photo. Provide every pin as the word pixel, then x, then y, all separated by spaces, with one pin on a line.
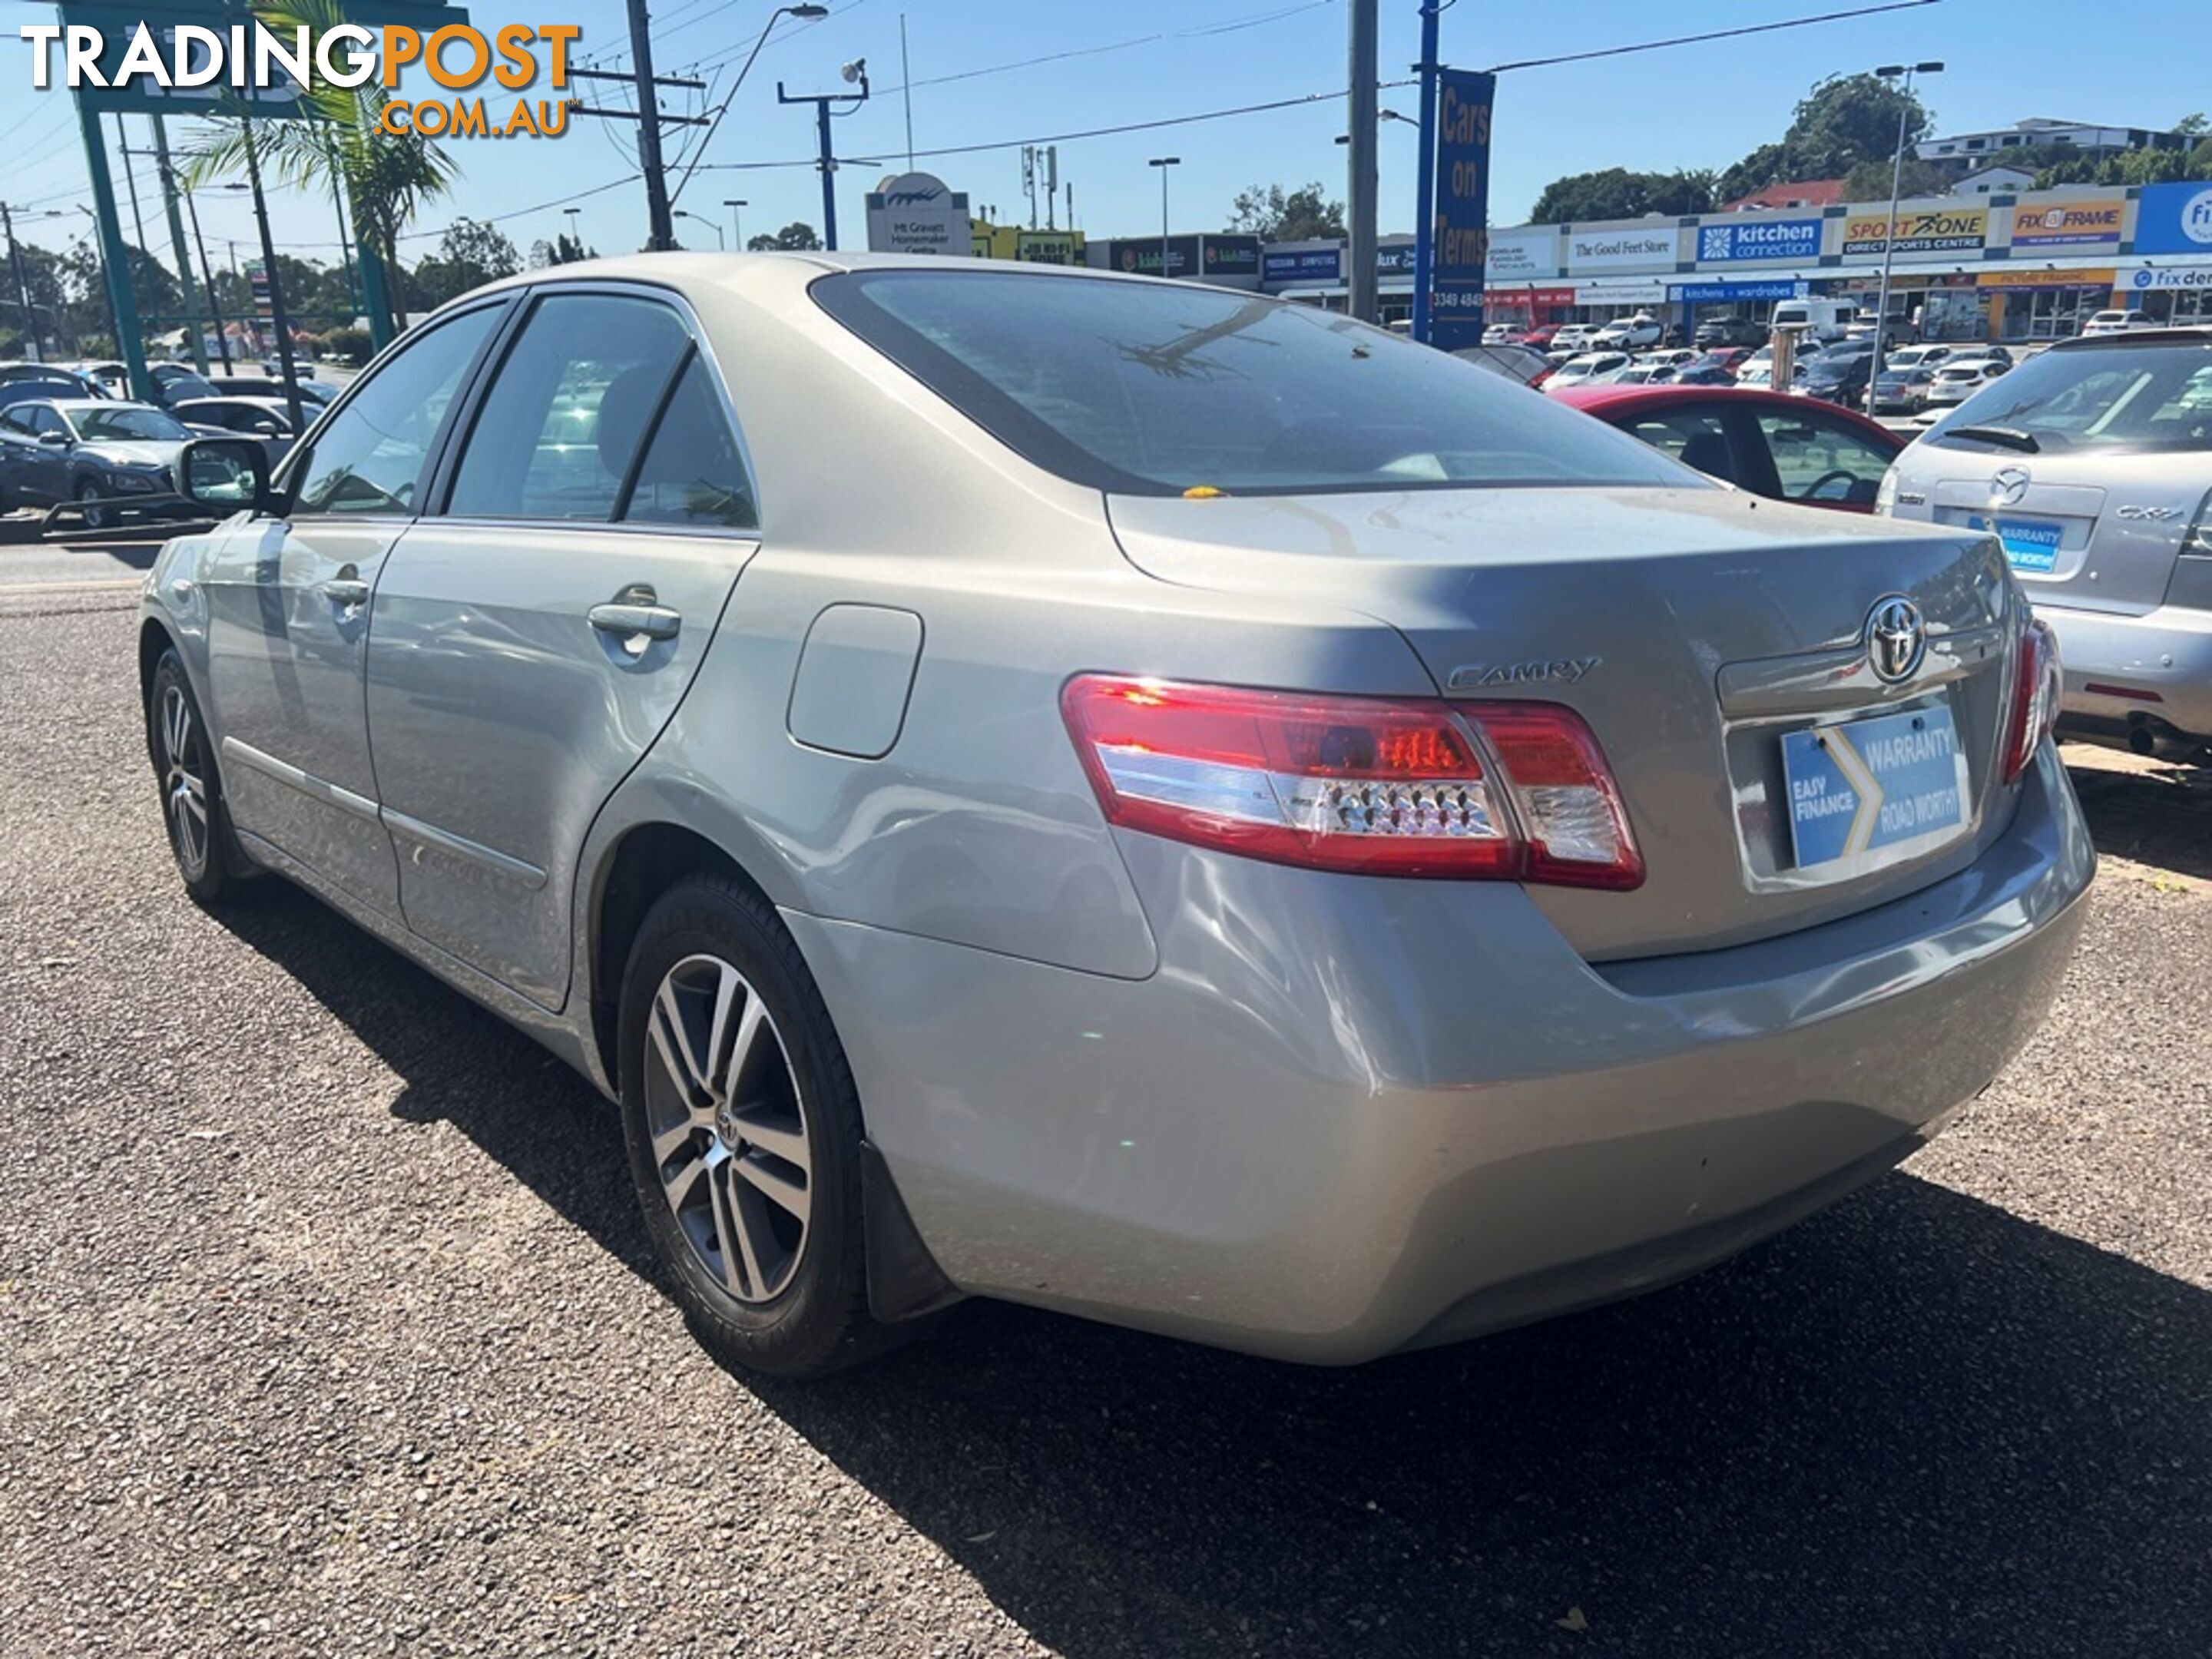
pixel 728 1127
pixel 184 782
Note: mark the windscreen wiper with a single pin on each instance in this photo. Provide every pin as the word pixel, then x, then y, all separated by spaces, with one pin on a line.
pixel 2010 436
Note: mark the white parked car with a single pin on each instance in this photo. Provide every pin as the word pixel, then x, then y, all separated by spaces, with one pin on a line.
pixel 1575 336
pixel 1632 332
pixel 1958 380
pixel 1591 368
pixel 2116 322
pixel 1671 358
pixel 1499 334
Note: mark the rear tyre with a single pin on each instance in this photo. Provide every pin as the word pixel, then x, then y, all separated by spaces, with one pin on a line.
pixel 743 1128
pixel 192 808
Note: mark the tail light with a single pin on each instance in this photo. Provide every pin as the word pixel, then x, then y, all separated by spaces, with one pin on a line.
pixel 1499 792
pixel 2037 684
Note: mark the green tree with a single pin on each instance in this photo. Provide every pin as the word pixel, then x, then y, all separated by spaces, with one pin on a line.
pixel 1869 181
pixel 1617 193
pixel 1275 215
pixel 797 237
pixel 1843 121
pixel 562 250
pixel 386 177
pixel 469 254
pixel 45 278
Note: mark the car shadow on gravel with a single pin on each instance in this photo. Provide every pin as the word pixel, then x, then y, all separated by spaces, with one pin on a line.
pixel 1913 1425
pixel 2156 815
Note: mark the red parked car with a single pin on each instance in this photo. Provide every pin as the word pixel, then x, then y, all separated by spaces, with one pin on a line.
pixel 1790 449
pixel 1541 336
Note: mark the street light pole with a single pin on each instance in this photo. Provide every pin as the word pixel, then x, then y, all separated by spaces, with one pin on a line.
pixel 1163 162
pixel 737 226
pixel 804 15
pixel 207 275
pixel 1424 173
pixel 720 240
pixel 1892 72
pixel 575 217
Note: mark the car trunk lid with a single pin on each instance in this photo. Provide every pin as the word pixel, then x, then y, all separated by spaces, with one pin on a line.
pixel 1692 629
pixel 2105 540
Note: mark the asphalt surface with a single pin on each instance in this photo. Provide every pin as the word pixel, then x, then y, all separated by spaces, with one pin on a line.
pixel 327 1326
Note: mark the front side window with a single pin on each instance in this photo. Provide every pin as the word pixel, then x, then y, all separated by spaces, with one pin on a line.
pixel 1156 389
pixel 370 458
pixel 1819 459
pixel 569 409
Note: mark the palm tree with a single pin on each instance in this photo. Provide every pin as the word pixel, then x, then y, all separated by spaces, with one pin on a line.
pixel 388 176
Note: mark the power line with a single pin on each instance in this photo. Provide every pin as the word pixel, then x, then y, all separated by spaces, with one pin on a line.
pixel 1089 132
pixel 1714 34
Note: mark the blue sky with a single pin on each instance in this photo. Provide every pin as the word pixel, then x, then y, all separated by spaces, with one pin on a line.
pixel 1695 106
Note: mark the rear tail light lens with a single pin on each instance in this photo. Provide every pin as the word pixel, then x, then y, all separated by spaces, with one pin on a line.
pixel 1503 792
pixel 2037 684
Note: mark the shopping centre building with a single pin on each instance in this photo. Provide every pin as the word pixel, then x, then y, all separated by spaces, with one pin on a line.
pixel 2030 266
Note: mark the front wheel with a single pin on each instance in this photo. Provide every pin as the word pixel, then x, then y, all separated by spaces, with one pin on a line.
pixel 88 503
pixel 192 805
pixel 743 1128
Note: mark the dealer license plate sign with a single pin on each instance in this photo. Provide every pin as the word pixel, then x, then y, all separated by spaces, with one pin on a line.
pixel 2031 544
pixel 1868 792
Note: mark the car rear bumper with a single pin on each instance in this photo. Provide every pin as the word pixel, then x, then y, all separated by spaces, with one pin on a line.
pixel 2163 657
pixel 1349 1116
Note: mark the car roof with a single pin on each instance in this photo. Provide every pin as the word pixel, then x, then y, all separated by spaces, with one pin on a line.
pixel 2140 339
pixel 1616 399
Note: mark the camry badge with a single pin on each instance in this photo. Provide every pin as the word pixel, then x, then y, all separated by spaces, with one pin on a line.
pixel 2009 487
pixel 1565 670
pixel 1896 639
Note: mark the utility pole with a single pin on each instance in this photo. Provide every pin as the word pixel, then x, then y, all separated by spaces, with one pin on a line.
pixel 177 238
pixel 207 270
pixel 1365 182
pixel 660 226
pixel 23 285
pixel 1892 72
pixel 276 315
pixel 130 180
pixel 1051 184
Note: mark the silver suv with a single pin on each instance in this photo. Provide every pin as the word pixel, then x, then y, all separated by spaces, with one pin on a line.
pixel 1131 796
pixel 2093 463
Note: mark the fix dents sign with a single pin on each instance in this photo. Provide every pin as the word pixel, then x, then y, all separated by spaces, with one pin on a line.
pixel 142 64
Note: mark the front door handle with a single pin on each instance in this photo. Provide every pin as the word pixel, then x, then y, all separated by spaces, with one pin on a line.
pixel 628 619
pixel 346 592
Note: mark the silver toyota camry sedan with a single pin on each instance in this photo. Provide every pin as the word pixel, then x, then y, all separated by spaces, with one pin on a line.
pixel 1129 796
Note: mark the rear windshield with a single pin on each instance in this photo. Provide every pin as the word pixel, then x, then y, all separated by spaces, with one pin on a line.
pixel 1147 388
pixel 2110 399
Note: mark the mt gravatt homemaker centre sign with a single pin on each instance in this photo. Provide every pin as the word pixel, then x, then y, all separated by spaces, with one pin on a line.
pixel 919 213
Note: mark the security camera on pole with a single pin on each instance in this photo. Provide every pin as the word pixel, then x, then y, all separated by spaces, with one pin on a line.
pixel 856 74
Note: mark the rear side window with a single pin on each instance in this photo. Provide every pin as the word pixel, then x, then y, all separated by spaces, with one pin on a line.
pixel 1159 388
pixel 693 472
pixel 370 457
pixel 569 409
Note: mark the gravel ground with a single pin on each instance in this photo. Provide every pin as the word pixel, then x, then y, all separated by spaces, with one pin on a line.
pixel 326 1327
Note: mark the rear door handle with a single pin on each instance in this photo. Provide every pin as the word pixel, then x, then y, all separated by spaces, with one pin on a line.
pixel 626 621
pixel 347 591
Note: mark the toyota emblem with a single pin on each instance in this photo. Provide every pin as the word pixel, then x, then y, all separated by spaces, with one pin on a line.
pixel 2009 487
pixel 1896 639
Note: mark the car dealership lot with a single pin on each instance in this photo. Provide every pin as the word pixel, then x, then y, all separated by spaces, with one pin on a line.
pixel 326 1325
